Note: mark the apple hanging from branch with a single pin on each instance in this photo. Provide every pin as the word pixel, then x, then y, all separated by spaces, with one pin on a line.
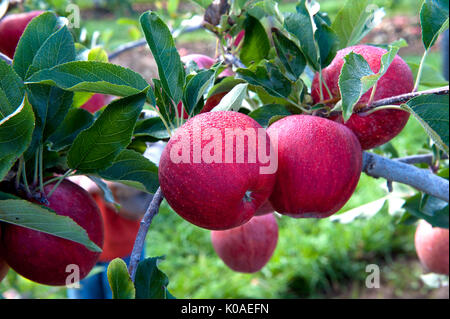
pixel 247 248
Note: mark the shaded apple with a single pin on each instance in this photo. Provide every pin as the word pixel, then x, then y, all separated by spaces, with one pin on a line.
pixel 432 247
pixel 319 165
pixel 379 127
pixel 249 247
pixel 95 103
pixel 44 258
pixel 265 208
pixel 201 178
pixel 11 29
pixel 4 268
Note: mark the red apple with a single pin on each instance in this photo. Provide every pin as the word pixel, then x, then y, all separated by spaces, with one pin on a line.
pixel 319 165
pixel 265 209
pixel 205 62
pixel 247 248
pixel 95 103
pixel 4 268
pixel 432 247
pixel 381 126
pixel 44 258
pixel 11 29
pixel 201 177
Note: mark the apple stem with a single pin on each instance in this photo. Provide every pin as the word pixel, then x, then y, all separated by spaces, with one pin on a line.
pixel 146 221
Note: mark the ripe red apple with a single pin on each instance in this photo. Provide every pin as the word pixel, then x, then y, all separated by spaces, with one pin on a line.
pixel 319 165
pixel 201 177
pixel 11 29
pixel 4 268
pixel 379 127
pixel 247 248
pixel 44 258
pixel 432 247
pixel 95 103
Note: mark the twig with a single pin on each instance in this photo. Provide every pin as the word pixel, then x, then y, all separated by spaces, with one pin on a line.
pixel 403 98
pixel 146 221
pixel 5 58
pixel 419 159
pixel 397 171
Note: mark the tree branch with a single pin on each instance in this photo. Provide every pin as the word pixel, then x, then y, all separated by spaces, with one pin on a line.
pixel 403 98
pixel 5 58
pixel 419 159
pixel 397 171
pixel 146 221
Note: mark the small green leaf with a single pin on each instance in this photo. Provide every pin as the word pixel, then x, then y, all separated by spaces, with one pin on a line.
pixel 162 45
pixel 350 85
pixel 150 282
pixel 15 136
pixel 92 76
pixel 433 210
pixel 256 44
pixel 327 41
pixel 353 22
pixel 12 91
pixel 290 55
pixel 131 166
pixel 96 148
pixel 263 114
pixel 300 25
pixel 232 101
pixel 196 88
pixel 432 112
pixel 23 213
pixel 434 20
pixel 76 121
pixel 153 127
pixel 119 280
pixel 269 78
pixel 59 48
pixel 34 36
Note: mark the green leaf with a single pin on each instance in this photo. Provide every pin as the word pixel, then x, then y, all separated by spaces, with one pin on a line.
pixel 290 55
pixel 434 20
pixel 76 121
pixel 433 210
pixel 326 40
pixel 269 78
pixel 300 25
pixel 256 44
pixel 122 286
pixel 23 213
pixel 92 76
pixel 50 106
pixel 430 78
pixel 353 22
pixel 162 45
pixel 263 114
pixel 432 112
pixel 108 195
pixel 350 85
pixel 12 91
pixel 34 36
pixel 196 88
pixel 15 136
pixel 131 166
pixel 59 48
pixel 96 148
pixel 232 101
pixel 153 127
pixel 224 85
pixel 150 282
pixel 98 54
